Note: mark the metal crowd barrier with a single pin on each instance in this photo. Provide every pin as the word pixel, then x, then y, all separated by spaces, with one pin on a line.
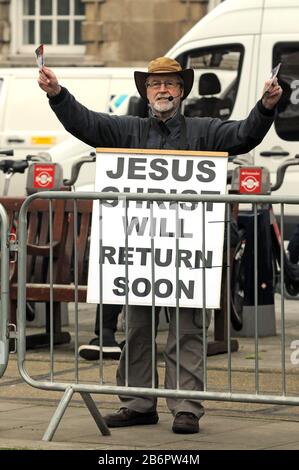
pixel 4 300
pixel 102 387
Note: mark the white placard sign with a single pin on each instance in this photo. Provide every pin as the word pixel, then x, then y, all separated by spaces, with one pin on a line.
pixel 154 234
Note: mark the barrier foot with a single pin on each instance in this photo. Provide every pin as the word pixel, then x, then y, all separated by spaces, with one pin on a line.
pixel 57 416
pixel 95 413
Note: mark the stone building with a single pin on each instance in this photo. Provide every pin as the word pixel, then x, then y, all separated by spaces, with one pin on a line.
pixel 94 32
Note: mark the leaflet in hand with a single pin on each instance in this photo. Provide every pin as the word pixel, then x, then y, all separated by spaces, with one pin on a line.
pixel 273 75
pixel 40 58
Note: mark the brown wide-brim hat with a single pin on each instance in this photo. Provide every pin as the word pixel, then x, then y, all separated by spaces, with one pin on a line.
pixel 164 65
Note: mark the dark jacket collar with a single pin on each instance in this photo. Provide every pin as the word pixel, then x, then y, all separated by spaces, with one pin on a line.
pixel 171 123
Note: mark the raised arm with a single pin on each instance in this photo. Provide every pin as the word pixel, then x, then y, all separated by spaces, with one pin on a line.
pixel 237 137
pixel 95 129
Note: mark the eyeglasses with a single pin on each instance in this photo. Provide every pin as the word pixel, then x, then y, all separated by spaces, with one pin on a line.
pixel 169 84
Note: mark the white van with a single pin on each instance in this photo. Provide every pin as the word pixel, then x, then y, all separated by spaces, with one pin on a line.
pixel 233 50
pixel 245 40
pixel 27 124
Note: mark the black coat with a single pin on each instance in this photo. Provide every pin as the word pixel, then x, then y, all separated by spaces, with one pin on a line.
pixel 205 134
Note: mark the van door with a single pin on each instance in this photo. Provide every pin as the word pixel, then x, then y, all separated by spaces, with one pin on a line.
pixel 282 140
pixel 29 124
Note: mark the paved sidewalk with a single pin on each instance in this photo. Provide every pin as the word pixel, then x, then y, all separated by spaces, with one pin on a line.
pixel 25 412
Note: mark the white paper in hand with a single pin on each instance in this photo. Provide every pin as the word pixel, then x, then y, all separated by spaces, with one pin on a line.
pixel 273 75
pixel 40 59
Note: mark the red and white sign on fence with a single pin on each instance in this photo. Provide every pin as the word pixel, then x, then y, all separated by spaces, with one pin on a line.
pixel 44 176
pixel 250 180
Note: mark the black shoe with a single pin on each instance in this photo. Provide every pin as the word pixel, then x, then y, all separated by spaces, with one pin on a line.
pixel 126 417
pixel 185 423
pixel 92 353
pixel 111 349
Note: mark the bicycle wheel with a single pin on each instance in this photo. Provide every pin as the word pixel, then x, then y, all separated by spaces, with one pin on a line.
pixel 237 286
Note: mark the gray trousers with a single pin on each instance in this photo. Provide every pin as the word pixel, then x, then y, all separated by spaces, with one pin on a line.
pixel 140 358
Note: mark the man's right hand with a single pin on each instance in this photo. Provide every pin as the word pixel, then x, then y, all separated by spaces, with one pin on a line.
pixel 48 82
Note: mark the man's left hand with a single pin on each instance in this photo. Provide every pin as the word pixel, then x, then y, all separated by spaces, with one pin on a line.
pixel 271 94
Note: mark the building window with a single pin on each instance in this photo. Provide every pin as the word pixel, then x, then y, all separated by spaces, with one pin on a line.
pixel 55 23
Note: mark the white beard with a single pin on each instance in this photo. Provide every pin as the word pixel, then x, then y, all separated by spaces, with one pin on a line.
pixel 163 105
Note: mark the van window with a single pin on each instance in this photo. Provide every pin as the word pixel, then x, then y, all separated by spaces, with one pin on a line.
pixel 287 121
pixel 217 72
